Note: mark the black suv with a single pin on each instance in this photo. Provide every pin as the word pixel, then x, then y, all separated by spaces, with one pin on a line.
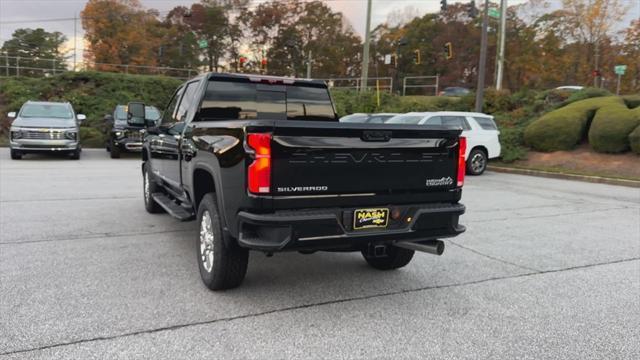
pixel 127 137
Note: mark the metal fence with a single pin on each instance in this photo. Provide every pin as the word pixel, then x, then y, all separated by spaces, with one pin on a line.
pixel 29 66
pixel 381 83
pixel 420 82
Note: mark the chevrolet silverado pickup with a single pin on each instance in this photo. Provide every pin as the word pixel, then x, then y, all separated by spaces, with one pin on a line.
pixel 263 164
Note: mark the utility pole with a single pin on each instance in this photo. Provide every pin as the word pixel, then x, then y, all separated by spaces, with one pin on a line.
pixel 596 58
pixel 75 40
pixel 365 50
pixel 503 31
pixel 483 58
pixel 309 60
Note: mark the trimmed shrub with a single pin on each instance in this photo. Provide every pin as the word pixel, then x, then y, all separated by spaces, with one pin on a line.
pixel 634 140
pixel 611 126
pixel 564 128
pixel 632 101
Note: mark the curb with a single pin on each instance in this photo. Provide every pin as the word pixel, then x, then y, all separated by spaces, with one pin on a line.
pixel 554 175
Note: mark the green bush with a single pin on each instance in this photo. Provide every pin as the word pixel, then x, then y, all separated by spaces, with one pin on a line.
pixel 611 127
pixel 632 101
pixel 564 128
pixel 634 140
pixel 586 93
pixel 511 142
pixel 91 137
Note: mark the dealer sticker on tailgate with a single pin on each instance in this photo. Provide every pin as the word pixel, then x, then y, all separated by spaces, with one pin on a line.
pixel 370 218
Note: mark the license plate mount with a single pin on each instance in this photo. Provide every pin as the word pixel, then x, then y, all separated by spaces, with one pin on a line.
pixel 370 218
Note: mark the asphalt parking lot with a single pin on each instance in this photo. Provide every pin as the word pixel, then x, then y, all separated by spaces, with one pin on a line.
pixel 547 269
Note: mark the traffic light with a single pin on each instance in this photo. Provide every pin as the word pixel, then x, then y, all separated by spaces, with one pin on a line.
pixel 448 51
pixel 473 12
pixel 416 57
pixel 263 61
pixel 241 61
pixel 443 5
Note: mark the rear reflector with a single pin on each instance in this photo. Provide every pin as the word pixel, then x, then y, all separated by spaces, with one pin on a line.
pixel 462 148
pixel 259 172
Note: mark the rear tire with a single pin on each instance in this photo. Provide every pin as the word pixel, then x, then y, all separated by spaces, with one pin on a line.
pixel 16 155
pixel 394 259
pixel 114 151
pixel 149 187
pixel 223 265
pixel 477 162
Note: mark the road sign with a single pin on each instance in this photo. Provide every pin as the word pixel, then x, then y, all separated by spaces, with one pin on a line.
pixel 494 13
pixel 387 59
pixel 203 44
pixel 620 69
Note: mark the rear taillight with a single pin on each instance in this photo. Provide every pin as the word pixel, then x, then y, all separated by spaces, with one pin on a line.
pixel 462 148
pixel 259 172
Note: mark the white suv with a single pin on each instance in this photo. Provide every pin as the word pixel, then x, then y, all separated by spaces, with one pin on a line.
pixel 479 129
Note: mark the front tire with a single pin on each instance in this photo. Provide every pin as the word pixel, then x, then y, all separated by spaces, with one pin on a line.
pixel 395 258
pixel 16 155
pixel 223 265
pixel 477 162
pixel 114 151
pixel 75 155
pixel 149 187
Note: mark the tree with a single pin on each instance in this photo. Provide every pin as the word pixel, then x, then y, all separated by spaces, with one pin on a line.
pixel 290 31
pixel 120 32
pixel 37 49
pixel 630 51
pixel 591 22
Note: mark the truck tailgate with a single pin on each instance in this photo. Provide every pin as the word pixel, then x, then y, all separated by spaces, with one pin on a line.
pixel 333 158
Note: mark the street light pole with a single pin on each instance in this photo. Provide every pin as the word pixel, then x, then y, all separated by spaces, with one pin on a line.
pixel 483 58
pixel 365 50
pixel 503 27
pixel 75 41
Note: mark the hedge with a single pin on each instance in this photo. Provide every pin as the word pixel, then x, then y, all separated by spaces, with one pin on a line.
pixel 564 128
pixel 611 126
pixel 634 140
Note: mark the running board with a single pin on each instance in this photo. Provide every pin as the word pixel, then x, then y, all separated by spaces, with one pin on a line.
pixel 179 212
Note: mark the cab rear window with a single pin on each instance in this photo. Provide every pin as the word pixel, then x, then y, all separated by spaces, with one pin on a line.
pixel 232 100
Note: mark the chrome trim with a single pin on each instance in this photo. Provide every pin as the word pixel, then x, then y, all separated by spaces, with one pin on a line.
pixel 355 142
pixel 321 196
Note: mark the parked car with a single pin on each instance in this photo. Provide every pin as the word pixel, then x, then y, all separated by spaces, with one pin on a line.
pixel 570 88
pixel 123 137
pixel 454 91
pixel 479 129
pixel 280 174
pixel 378 118
pixel 45 127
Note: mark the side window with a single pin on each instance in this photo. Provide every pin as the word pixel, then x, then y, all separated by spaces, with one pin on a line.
pixel 187 100
pixel 434 120
pixel 455 121
pixel 486 123
pixel 169 111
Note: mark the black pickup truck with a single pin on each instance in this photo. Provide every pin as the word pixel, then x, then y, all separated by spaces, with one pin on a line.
pixel 263 164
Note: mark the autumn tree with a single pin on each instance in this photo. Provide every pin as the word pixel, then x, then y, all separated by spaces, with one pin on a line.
pixel 120 32
pixel 591 22
pixel 36 48
pixel 290 31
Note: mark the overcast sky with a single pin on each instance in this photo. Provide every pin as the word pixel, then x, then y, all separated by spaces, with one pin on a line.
pixel 29 12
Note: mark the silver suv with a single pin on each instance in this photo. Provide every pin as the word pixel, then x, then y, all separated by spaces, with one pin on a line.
pixel 45 127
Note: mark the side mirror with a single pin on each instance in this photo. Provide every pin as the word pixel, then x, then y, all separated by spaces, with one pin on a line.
pixel 81 117
pixel 12 114
pixel 108 118
pixel 136 114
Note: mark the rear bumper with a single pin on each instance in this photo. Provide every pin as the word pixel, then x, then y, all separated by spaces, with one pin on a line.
pixel 331 229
